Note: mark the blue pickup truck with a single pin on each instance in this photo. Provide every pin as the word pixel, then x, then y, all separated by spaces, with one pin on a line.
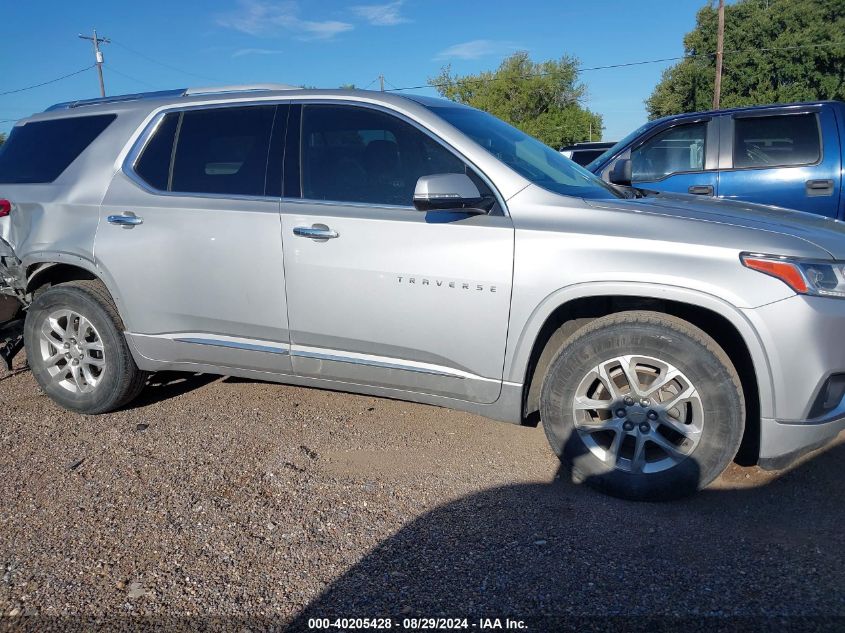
pixel 787 155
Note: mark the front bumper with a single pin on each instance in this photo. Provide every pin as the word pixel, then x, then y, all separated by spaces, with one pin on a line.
pixel 804 345
pixel 781 443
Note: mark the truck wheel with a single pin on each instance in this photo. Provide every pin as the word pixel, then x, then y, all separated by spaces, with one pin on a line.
pixel 642 405
pixel 76 348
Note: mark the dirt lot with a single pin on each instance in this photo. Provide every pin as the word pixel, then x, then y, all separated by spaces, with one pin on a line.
pixel 260 503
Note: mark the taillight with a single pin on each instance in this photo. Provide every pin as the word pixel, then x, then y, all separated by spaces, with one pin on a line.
pixel 5 208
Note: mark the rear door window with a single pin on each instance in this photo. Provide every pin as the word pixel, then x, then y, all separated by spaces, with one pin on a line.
pixel 674 150
pixel 223 151
pixel 39 151
pixel 776 141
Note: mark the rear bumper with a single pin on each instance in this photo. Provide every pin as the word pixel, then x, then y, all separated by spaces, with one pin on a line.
pixel 13 299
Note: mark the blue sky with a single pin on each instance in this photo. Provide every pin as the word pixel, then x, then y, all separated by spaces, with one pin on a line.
pixel 178 43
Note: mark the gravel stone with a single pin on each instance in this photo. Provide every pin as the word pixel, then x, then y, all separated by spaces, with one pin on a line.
pixel 263 504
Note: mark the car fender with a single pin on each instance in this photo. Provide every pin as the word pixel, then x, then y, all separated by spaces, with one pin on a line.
pixel 522 338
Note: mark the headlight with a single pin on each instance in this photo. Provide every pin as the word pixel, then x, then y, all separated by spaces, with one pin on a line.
pixel 804 276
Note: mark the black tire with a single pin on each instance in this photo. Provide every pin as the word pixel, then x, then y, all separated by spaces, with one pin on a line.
pixel 121 379
pixel 670 340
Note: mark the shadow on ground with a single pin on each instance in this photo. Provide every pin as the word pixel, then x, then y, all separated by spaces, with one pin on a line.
pixel 560 551
pixel 164 385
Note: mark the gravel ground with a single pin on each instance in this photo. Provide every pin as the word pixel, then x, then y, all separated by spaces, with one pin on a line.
pixel 262 504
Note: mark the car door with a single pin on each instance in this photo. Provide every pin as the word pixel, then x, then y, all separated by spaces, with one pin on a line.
pixel 680 157
pixel 191 240
pixel 779 158
pixel 378 293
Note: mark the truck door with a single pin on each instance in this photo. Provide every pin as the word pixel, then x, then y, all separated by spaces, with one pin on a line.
pixel 681 158
pixel 782 158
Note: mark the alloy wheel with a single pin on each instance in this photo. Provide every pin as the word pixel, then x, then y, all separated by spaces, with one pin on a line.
pixel 72 351
pixel 638 414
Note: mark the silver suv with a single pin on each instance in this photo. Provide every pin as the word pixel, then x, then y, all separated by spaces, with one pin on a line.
pixel 413 248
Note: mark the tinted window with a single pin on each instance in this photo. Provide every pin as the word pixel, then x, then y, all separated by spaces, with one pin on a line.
pixel 154 163
pixel 223 151
pixel 354 154
pixel 40 151
pixel 677 149
pixel 776 140
pixel 585 156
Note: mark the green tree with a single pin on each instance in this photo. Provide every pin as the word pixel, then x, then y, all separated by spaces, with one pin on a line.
pixel 776 51
pixel 541 99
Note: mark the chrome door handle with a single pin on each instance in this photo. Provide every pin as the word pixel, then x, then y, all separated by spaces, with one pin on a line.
pixel 316 232
pixel 127 220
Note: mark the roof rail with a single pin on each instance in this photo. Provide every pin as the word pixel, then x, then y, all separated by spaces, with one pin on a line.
pixel 67 105
pixel 205 90
pixel 180 92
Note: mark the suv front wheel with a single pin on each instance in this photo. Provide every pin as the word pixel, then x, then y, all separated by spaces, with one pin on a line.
pixel 76 348
pixel 643 405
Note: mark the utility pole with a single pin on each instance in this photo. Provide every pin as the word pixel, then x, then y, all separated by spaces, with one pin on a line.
pixel 381 82
pixel 98 56
pixel 720 41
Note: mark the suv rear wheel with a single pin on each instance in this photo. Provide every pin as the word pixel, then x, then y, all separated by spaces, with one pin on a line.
pixel 76 348
pixel 643 405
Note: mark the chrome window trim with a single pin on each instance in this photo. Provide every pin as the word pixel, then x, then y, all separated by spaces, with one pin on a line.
pixel 413 123
pixel 341 203
pixel 142 140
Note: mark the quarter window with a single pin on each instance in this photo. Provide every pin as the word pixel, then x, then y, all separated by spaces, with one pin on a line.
pixel 39 151
pixel 776 141
pixel 154 164
pixel 677 149
pixel 352 154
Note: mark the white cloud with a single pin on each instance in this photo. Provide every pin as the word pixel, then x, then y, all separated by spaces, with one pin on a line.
pixel 260 17
pixel 474 49
pixel 256 51
pixel 381 14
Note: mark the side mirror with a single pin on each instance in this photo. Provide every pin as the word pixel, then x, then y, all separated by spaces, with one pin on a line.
pixel 621 172
pixel 449 192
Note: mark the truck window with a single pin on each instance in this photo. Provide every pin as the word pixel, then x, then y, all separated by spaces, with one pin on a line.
pixel 39 151
pixel 676 149
pixel 776 141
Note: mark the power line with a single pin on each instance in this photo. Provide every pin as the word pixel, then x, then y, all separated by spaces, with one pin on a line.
pixel 629 64
pixel 155 61
pixel 114 70
pixel 45 83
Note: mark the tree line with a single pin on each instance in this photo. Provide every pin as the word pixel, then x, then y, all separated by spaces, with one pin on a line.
pixel 775 51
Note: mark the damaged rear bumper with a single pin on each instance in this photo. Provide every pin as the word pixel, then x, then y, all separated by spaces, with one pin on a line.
pixel 13 301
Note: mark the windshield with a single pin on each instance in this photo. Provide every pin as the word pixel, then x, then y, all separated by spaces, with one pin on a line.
pixel 594 164
pixel 526 155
